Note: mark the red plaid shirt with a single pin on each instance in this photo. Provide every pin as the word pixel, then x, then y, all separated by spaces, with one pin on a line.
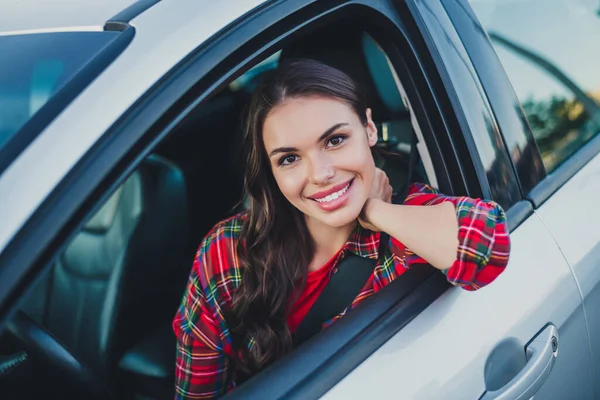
pixel 204 347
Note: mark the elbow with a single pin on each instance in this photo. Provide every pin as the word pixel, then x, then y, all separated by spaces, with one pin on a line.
pixel 477 266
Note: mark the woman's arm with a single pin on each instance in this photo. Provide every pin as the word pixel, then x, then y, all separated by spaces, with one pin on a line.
pixel 429 231
pixel 466 238
pixel 201 370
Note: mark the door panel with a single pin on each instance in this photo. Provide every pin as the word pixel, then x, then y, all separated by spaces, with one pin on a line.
pixel 571 215
pixel 443 352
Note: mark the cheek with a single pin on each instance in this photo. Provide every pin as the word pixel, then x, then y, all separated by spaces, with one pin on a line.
pixel 364 166
pixel 360 160
pixel 289 184
pixel 368 171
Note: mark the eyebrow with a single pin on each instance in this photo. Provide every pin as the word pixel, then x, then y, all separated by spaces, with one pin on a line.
pixel 321 138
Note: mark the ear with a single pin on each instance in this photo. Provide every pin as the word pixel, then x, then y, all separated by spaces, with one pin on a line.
pixel 371 129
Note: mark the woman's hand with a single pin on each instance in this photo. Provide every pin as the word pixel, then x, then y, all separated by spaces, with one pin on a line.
pixel 380 191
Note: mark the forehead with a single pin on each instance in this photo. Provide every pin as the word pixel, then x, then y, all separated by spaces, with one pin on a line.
pixel 305 119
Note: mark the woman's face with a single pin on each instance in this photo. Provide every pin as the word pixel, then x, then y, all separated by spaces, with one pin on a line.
pixel 320 156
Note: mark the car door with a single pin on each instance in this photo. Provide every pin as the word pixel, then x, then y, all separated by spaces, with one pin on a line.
pixel 490 341
pixel 554 76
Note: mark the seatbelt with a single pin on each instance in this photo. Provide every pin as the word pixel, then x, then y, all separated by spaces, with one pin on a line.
pixel 343 287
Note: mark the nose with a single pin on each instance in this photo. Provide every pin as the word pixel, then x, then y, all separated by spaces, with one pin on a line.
pixel 321 169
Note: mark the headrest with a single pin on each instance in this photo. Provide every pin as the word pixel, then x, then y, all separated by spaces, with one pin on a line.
pixel 341 48
pixel 380 69
pixel 354 52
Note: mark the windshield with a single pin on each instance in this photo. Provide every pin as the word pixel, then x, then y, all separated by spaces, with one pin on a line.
pixel 35 67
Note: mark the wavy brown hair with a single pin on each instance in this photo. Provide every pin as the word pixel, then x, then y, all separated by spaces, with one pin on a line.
pixel 276 247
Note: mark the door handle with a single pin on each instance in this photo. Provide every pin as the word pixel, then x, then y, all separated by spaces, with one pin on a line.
pixel 541 354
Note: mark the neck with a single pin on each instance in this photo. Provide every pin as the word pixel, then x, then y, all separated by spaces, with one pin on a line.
pixel 328 240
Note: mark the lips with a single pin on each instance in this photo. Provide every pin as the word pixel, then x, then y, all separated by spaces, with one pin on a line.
pixel 334 198
pixel 334 192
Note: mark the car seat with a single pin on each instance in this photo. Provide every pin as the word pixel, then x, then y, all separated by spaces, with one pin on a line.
pixel 117 284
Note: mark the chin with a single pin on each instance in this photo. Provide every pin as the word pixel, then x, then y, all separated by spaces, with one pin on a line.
pixel 340 219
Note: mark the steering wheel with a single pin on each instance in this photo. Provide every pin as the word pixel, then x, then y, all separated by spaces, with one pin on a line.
pixel 41 344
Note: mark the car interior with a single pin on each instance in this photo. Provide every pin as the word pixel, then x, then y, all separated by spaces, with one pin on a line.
pixel 110 295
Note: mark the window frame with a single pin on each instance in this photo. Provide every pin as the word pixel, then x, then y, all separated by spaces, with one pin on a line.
pixel 497 90
pixel 235 49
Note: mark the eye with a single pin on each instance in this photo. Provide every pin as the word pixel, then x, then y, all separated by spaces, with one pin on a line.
pixel 287 160
pixel 336 140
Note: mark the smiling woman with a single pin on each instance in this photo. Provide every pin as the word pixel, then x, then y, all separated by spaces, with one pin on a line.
pixel 315 197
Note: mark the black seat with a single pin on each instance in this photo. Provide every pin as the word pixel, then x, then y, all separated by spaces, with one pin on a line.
pixel 117 284
pixel 201 146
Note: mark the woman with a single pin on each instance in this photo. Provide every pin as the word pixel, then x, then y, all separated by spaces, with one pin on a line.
pixel 315 196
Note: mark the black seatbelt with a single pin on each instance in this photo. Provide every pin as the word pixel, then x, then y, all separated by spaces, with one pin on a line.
pixel 343 287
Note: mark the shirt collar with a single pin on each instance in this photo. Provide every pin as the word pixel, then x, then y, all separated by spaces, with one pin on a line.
pixel 363 242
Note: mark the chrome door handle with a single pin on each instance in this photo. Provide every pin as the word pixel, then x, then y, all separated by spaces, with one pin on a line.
pixel 541 354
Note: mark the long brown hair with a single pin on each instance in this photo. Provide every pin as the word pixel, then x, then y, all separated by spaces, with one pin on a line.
pixel 276 247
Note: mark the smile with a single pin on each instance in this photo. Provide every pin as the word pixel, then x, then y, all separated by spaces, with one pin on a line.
pixel 335 195
pixel 333 198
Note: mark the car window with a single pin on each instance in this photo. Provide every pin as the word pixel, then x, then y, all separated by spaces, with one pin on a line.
pixel 547 50
pixel 35 67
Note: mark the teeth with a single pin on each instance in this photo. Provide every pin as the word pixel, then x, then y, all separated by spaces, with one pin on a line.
pixel 333 196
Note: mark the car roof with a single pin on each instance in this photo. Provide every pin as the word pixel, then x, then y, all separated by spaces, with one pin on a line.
pixel 57 15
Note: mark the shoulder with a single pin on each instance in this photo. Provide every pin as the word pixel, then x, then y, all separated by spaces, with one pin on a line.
pixel 228 229
pixel 213 279
pixel 421 194
pixel 216 263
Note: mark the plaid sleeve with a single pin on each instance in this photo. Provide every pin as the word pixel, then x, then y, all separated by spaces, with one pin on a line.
pixel 483 239
pixel 201 363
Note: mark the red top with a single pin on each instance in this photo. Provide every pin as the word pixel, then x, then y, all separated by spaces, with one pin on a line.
pixel 315 283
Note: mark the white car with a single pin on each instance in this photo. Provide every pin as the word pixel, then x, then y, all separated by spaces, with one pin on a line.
pixel 119 133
